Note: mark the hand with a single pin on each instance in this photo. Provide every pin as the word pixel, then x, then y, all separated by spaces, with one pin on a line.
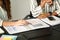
pixel 43 2
pixel 48 1
pixel 44 15
pixel 54 14
pixel 21 22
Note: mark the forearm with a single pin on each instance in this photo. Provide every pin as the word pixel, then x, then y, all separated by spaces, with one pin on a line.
pixel 57 8
pixel 6 23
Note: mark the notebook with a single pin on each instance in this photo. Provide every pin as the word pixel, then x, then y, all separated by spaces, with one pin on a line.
pixel 33 24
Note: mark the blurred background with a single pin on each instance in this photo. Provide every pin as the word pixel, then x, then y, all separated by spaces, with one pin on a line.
pixel 17 9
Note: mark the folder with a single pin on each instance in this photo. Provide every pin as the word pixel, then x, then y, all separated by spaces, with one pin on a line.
pixel 1 38
pixel 9 37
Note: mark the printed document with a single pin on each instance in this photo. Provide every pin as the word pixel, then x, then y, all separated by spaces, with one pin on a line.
pixel 54 22
pixel 33 24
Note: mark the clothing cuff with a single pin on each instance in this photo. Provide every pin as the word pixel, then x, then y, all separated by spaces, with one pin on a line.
pixel 1 22
pixel 38 12
pixel 36 15
pixel 38 8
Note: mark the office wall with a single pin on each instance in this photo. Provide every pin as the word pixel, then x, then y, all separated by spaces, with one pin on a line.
pixel 19 8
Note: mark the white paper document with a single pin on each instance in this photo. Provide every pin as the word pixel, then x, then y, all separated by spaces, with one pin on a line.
pixel 37 23
pixel 15 29
pixel 34 24
pixel 53 22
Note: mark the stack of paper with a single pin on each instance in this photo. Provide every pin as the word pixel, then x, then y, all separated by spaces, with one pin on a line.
pixel 54 22
pixel 34 24
pixel 9 37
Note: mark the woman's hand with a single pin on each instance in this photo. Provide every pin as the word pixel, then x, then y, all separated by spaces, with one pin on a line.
pixel 15 23
pixel 21 22
pixel 54 14
pixel 44 15
pixel 43 2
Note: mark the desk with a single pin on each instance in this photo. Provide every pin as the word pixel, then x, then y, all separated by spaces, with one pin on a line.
pixel 56 27
pixel 55 35
pixel 32 33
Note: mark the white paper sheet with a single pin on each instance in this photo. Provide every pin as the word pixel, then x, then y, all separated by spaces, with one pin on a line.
pixel 15 29
pixel 54 22
pixel 37 23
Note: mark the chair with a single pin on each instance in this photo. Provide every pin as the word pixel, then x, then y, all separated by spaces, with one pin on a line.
pixel 29 16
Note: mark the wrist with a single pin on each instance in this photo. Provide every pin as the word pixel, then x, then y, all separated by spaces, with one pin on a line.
pixel 42 4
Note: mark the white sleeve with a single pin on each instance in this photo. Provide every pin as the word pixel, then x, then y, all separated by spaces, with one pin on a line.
pixel 1 21
pixel 35 9
pixel 58 8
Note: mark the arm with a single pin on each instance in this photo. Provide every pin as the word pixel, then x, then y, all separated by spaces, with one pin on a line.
pixel 56 12
pixel 1 21
pixel 6 23
pixel 10 23
pixel 35 9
